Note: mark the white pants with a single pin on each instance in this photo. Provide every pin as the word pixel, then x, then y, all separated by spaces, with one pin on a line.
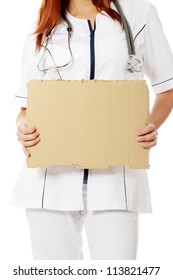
pixel 57 235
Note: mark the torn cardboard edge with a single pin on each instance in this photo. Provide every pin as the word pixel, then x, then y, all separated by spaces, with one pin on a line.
pixel 89 124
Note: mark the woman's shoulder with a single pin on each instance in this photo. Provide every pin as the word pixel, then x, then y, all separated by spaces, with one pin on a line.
pixel 135 8
pixel 135 4
pixel 137 12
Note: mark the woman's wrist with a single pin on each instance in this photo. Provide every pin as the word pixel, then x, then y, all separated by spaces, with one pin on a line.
pixel 21 118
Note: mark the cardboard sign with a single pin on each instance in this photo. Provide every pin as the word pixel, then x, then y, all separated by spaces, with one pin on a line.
pixel 90 124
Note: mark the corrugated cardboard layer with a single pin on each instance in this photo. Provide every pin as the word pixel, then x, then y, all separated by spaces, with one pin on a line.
pixel 90 124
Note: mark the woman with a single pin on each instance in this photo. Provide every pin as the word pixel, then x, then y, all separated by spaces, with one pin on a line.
pixel 60 200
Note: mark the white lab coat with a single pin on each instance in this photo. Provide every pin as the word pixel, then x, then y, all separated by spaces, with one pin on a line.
pixel 118 187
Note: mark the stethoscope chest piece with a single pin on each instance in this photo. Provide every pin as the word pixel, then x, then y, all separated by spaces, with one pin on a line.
pixel 134 64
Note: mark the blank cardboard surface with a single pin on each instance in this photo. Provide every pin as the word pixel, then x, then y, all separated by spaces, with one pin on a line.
pixel 90 124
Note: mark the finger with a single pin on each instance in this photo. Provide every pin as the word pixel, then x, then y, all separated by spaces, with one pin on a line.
pixel 147 129
pixel 31 143
pixel 26 152
pixel 26 130
pixel 148 145
pixel 28 137
pixel 148 137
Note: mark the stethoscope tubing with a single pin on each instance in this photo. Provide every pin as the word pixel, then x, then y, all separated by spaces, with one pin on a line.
pixel 134 63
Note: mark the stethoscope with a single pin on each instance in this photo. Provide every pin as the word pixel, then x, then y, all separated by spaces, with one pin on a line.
pixel 134 64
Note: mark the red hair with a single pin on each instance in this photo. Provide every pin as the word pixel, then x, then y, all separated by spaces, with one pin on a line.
pixel 52 12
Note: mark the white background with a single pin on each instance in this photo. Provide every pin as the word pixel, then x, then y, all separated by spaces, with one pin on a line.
pixel 155 230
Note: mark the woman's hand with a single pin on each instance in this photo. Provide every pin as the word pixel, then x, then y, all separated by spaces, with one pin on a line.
pixel 147 137
pixel 27 136
pixel 161 109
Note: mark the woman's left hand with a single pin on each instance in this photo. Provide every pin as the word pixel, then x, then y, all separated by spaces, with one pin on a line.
pixel 147 137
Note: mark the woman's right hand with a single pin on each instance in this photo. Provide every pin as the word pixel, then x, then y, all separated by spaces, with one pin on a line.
pixel 27 136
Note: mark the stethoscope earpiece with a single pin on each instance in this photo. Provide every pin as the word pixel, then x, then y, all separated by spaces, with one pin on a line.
pixel 69 29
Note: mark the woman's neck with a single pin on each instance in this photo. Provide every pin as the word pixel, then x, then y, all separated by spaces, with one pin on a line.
pixel 82 9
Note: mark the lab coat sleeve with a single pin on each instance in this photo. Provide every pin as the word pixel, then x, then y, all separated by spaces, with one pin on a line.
pixel 158 57
pixel 28 68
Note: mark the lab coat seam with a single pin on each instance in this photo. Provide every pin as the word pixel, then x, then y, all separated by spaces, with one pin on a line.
pixel 44 186
pixel 125 187
pixel 140 31
pixel 20 96
pixel 162 82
